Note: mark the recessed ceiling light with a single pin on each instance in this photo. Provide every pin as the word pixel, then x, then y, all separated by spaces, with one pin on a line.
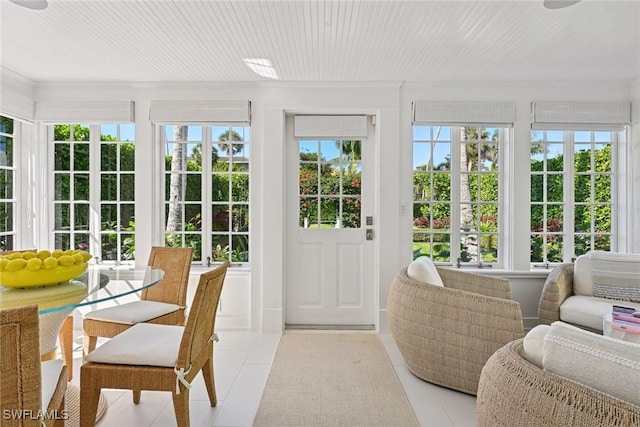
pixel 559 4
pixel 31 4
pixel 261 67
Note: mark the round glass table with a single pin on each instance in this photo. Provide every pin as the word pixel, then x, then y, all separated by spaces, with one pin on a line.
pixel 56 302
pixel 96 285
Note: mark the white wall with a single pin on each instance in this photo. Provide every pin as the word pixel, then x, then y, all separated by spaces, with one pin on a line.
pixel 260 291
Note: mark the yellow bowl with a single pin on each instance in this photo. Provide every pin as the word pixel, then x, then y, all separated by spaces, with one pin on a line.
pixel 26 278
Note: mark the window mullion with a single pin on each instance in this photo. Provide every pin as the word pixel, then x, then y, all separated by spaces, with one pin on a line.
pixel 569 196
pixel 456 142
pixel 207 190
pixel 95 173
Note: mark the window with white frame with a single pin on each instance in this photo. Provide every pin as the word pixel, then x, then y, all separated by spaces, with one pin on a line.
pixel 93 189
pixel 456 193
pixel 572 173
pixel 206 190
pixel 575 164
pixel 7 183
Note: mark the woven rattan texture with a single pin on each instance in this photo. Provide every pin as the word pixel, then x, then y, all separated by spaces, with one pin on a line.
pixel 20 387
pixel 446 334
pixel 516 393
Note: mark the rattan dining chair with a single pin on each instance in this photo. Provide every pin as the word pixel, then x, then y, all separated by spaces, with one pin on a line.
pixel 163 303
pixel 58 324
pixel 158 357
pixel 32 392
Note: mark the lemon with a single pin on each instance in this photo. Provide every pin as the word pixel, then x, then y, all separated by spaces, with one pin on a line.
pixel 43 254
pixel 15 255
pixel 77 258
pixel 50 263
pixel 3 263
pixel 86 256
pixel 28 255
pixel 65 260
pixel 57 253
pixel 34 264
pixel 16 264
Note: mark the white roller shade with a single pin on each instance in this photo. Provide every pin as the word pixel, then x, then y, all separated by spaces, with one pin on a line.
pixel 464 113
pixel 580 115
pixel 85 112
pixel 16 106
pixel 330 126
pixel 204 111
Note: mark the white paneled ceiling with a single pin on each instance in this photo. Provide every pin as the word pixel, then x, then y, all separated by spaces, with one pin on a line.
pixel 322 40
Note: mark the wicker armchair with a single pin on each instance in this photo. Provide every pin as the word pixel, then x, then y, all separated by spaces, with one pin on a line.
pixel 446 334
pixel 516 393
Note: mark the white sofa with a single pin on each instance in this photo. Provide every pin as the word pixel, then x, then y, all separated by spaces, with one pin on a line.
pixel 569 293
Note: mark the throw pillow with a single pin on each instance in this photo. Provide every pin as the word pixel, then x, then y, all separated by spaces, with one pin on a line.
pixel 582 280
pixel 533 344
pixel 602 363
pixel 616 275
pixel 422 269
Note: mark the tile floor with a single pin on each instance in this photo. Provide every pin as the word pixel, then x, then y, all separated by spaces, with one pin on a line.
pixel 241 364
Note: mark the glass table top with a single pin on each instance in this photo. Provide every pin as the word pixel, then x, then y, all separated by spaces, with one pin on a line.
pixel 96 285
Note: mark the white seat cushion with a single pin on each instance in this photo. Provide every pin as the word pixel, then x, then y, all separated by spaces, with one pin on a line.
pixel 589 311
pixel 143 344
pixel 422 269
pixel 132 312
pixel 49 375
pixel 602 363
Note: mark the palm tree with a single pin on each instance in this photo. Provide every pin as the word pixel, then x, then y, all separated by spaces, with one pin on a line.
pixel 177 185
pixel 351 150
pixel 230 135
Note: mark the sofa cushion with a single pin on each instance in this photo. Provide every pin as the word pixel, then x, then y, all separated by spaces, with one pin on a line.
pixel 582 280
pixel 616 275
pixel 602 363
pixel 422 269
pixel 533 344
pixel 589 311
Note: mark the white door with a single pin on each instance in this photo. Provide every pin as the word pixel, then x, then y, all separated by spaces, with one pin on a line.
pixel 329 257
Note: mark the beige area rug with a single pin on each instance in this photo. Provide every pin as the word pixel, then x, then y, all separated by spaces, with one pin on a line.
pixel 333 379
pixel 72 405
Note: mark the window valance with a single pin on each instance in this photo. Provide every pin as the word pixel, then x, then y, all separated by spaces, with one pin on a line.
pixel 344 126
pixel 580 115
pixel 85 112
pixel 202 111
pixel 464 113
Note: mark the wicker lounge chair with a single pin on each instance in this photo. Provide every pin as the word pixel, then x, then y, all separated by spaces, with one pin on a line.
pixel 516 393
pixel 446 334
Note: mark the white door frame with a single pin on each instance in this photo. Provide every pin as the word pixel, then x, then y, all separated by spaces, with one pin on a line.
pixel 373 181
